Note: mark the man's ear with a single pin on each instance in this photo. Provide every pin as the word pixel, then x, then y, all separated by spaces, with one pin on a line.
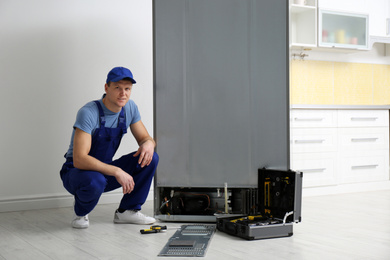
pixel 105 87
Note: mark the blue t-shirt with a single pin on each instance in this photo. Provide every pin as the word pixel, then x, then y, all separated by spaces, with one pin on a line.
pixel 88 119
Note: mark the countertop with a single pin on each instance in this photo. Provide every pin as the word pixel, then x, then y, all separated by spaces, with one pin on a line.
pixel 356 107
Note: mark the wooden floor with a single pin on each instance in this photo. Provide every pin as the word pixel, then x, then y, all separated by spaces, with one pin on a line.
pixel 344 226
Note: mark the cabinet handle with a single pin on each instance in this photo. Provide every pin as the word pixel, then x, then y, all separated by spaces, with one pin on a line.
pixel 363 118
pixel 312 170
pixel 364 139
pixel 309 119
pixel 309 141
pixel 364 166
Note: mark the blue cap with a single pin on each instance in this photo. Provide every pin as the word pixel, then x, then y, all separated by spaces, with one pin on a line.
pixel 119 73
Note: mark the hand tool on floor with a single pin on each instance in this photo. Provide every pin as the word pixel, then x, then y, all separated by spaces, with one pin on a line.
pixel 153 229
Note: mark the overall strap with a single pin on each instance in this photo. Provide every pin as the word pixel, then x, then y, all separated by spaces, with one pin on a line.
pixel 101 114
pixel 122 121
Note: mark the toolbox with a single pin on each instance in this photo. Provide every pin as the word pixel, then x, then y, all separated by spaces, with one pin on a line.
pixel 279 207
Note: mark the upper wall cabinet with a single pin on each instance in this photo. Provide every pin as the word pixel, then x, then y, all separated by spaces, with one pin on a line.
pixel 343 30
pixel 378 11
pixel 351 24
pixel 303 23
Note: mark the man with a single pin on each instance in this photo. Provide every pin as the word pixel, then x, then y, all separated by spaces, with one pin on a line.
pixel 89 169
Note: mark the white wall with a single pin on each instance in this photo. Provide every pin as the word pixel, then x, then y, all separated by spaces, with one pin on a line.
pixel 54 57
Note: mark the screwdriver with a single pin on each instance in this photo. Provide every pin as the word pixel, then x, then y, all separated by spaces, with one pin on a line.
pixel 153 229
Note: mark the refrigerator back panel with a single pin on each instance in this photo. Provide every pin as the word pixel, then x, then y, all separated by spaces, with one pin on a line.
pixel 221 91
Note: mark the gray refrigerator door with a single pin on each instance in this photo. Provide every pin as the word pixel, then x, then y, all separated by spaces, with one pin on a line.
pixel 221 91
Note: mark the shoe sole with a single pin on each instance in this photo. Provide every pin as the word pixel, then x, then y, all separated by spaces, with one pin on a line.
pixel 80 227
pixel 117 221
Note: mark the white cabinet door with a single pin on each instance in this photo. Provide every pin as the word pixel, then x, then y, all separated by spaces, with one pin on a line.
pixel 363 139
pixel 368 166
pixel 343 30
pixel 363 118
pixel 313 118
pixel 318 169
pixel 378 11
pixel 311 140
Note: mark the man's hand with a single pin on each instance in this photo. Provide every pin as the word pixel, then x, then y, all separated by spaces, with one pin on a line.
pixel 145 142
pixel 82 160
pixel 145 152
pixel 125 180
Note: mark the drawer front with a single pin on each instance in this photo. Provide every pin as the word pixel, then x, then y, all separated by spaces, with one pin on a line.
pixel 360 139
pixel 362 118
pixel 313 118
pixel 313 140
pixel 318 169
pixel 366 167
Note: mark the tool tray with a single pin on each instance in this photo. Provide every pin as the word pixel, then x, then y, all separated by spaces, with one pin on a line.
pixel 279 207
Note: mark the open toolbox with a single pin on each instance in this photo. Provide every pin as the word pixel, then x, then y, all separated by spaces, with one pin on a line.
pixel 279 207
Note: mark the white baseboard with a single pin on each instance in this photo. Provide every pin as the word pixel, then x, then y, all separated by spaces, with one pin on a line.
pixel 54 201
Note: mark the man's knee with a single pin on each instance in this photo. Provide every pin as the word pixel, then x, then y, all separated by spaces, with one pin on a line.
pixel 95 185
pixel 155 160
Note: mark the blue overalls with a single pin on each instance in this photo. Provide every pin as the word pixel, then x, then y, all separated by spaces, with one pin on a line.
pixel 88 186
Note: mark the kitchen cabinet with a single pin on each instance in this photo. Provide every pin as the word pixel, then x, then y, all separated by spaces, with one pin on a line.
pixel 363 145
pixel 337 147
pixel 313 146
pixel 307 24
pixel 303 23
pixel 343 30
pixel 378 11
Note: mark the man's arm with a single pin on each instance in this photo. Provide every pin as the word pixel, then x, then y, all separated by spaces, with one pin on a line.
pixel 145 142
pixel 82 160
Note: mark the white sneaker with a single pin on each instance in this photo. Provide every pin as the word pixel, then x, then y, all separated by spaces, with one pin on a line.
pixel 80 222
pixel 133 217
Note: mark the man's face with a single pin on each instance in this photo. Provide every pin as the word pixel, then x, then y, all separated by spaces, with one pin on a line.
pixel 118 93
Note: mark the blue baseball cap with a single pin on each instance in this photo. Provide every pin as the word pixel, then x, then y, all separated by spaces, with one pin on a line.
pixel 119 73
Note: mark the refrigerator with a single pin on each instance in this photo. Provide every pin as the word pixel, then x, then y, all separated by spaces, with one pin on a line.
pixel 221 104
